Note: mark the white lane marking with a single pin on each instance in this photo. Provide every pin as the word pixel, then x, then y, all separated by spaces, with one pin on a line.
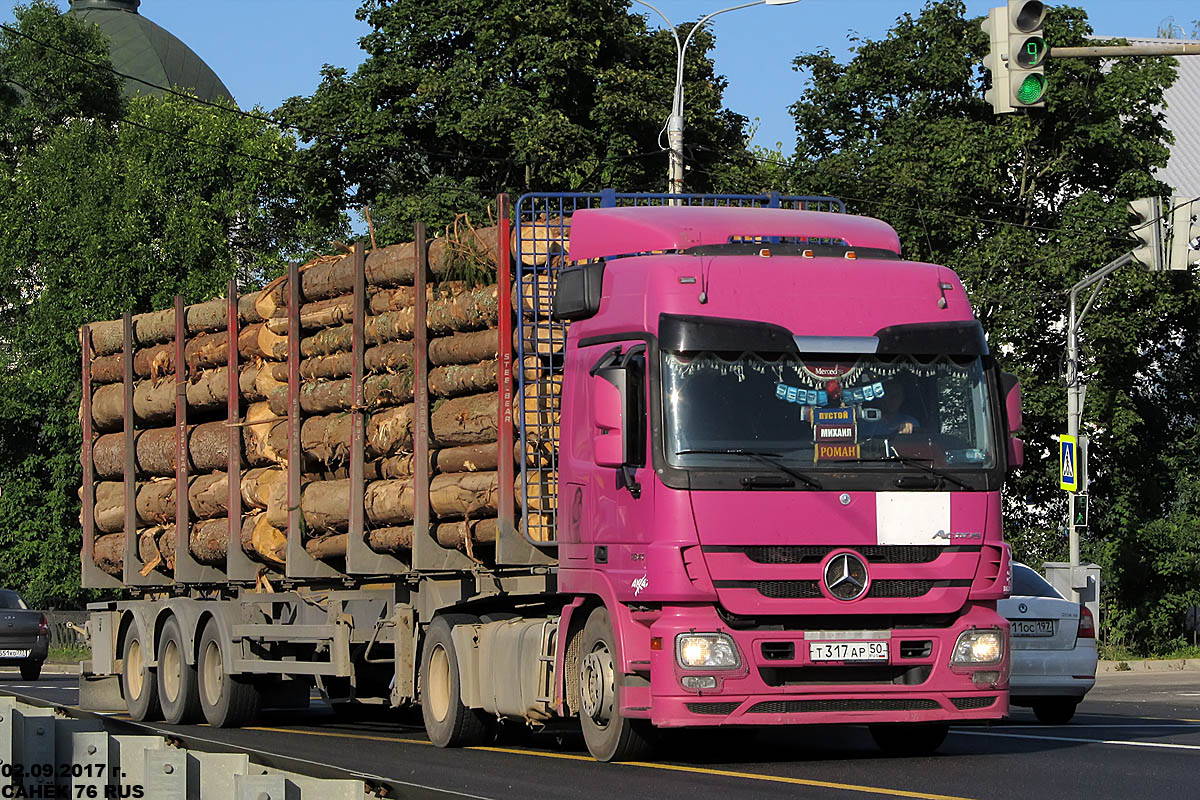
pixel 1189 694
pixel 1165 745
pixel 1105 725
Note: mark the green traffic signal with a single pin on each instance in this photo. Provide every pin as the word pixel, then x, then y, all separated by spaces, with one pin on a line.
pixel 1031 89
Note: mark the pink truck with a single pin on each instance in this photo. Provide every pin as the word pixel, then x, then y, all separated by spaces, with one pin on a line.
pixel 776 449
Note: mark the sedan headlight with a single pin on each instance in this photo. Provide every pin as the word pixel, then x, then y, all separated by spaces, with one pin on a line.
pixel 977 647
pixel 706 651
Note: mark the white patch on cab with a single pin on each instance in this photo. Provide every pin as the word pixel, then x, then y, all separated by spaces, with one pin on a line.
pixel 912 518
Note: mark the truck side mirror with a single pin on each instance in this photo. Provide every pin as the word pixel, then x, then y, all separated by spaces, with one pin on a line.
pixel 607 392
pixel 1013 418
pixel 618 413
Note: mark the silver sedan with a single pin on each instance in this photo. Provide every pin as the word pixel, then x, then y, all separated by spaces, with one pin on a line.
pixel 1053 648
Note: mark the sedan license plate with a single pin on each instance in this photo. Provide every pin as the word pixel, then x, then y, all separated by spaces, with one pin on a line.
pixel 1033 627
pixel 848 651
pixel 14 654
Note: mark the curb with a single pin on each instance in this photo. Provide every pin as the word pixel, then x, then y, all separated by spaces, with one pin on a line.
pixel 1151 665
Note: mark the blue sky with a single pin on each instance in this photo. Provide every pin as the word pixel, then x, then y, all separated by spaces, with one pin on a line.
pixel 269 50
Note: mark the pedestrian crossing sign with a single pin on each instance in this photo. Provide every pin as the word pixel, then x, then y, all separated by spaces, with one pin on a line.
pixel 1068 463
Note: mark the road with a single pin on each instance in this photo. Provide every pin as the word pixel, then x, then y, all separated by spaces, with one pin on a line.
pixel 1136 733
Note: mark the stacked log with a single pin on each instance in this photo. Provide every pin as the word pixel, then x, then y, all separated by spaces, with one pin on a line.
pixel 462 319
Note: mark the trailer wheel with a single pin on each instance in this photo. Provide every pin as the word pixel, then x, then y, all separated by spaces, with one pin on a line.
pixel 909 739
pixel 227 701
pixel 137 679
pixel 448 722
pixel 609 735
pixel 178 685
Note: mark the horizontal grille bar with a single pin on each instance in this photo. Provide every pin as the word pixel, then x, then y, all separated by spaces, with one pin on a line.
pixel 814 554
pixel 817 706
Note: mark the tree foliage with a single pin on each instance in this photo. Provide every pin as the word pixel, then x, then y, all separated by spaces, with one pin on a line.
pixel 1022 207
pixel 459 100
pixel 107 206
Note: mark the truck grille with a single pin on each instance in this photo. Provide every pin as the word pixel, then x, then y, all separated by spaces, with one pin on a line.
pixel 788 590
pixel 899 588
pixel 817 706
pixel 814 554
pixel 845 675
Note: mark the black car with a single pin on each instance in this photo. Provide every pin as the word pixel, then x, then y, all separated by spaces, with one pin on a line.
pixel 24 635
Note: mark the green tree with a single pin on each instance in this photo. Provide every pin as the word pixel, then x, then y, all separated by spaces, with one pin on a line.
pixel 1022 207
pixel 107 206
pixel 459 100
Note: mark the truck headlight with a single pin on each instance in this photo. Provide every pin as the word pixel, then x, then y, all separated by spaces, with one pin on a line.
pixel 706 651
pixel 978 646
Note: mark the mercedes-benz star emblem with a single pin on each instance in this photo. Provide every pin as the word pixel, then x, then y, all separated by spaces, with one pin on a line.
pixel 846 576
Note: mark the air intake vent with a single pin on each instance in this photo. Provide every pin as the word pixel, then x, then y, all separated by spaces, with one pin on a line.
pixel 779 651
pixel 971 703
pixel 788 590
pixel 814 554
pixel 713 709
pixel 818 706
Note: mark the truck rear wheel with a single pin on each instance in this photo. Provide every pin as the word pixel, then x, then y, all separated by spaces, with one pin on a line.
pixel 137 679
pixel 909 739
pixel 178 689
pixel 227 701
pixel 448 721
pixel 609 735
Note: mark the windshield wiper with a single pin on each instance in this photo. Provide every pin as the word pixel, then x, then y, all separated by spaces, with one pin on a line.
pixel 766 458
pixel 910 461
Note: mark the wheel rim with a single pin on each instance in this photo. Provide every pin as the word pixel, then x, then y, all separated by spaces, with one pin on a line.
pixel 214 675
pixel 170 667
pixel 133 670
pixel 597 685
pixel 439 682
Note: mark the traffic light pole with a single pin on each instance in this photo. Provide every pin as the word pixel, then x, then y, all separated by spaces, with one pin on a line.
pixel 1173 49
pixel 1076 390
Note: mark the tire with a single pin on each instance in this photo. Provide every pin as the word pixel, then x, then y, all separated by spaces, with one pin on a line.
pixel 178 685
pixel 227 701
pixel 609 735
pixel 138 681
pixel 448 722
pixel 909 739
pixel 31 670
pixel 1055 710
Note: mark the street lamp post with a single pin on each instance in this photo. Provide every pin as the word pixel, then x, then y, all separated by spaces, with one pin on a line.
pixel 675 121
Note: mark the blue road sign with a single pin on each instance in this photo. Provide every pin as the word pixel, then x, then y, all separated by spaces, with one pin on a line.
pixel 1068 463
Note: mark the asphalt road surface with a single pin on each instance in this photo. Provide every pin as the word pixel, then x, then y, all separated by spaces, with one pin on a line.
pixel 1136 735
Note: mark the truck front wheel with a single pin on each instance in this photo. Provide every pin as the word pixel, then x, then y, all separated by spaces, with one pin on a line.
pixel 137 679
pixel 227 701
pixel 177 683
pixel 448 722
pixel 609 735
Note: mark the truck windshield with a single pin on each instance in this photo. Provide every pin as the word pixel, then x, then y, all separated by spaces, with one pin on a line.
pixel 826 411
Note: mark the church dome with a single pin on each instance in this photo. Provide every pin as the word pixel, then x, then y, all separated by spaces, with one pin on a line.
pixel 143 49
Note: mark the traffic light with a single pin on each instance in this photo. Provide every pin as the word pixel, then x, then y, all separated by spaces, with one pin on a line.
pixel 1027 53
pixel 1185 234
pixel 1147 232
pixel 1016 56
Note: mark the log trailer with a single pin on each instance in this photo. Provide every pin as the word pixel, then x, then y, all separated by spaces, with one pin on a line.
pixel 749 470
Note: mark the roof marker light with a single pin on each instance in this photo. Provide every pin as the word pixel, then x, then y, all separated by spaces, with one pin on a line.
pixel 851 255
pixel 809 254
pixel 765 253
pixel 946 287
pixel 686 279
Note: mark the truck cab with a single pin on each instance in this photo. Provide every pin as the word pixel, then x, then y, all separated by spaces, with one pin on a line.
pixel 780 466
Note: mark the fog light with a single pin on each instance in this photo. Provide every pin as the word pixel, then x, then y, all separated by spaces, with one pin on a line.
pixel 706 651
pixel 698 682
pixel 985 678
pixel 978 646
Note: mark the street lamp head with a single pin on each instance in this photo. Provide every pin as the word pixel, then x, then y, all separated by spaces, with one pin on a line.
pixel 781 2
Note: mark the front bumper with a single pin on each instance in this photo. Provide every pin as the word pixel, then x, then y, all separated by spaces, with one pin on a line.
pixel 777 684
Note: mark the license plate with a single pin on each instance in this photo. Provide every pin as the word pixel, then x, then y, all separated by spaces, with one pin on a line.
pixel 847 651
pixel 14 654
pixel 1033 627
